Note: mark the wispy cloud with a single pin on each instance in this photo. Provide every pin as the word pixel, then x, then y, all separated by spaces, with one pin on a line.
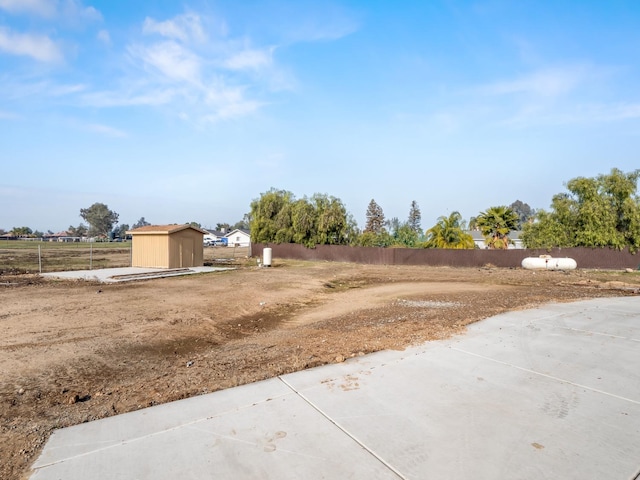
pixel 66 9
pixel 557 95
pixel 74 10
pixel 105 130
pixel 205 80
pixel 313 32
pixel 172 60
pixel 231 110
pixel 593 113
pixel 42 8
pixel 250 59
pixel 62 90
pixel 188 65
pixel 4 115
pixel 545 83
pixel 315 22
pixel 186 27
pixel 38 47
pixel 134 96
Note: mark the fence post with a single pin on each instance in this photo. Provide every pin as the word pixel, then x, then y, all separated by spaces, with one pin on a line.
pixel 39 259
pixel 90 255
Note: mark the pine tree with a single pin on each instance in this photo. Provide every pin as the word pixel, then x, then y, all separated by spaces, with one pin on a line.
pixel 415 217
pixel 375 218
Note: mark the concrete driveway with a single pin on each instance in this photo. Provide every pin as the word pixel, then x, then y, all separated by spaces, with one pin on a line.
pixel 128 274
pixel 550 393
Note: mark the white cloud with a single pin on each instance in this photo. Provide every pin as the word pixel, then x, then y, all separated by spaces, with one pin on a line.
pixel 105 130
pixel 68 9
pixel 173 66
pixel 549 96
pixel 140 96
pixel 231 110
pixel 61 90
pixel 572 114
pixel 195 75
pixel 171 60
pixel 42 8
pixel 104 37
pixel 74 9
pixel 38 47
pixel 250 59
pixel 184 27
pixel 545 83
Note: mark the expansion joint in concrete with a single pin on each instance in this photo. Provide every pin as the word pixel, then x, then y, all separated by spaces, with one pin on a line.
pixel 337 425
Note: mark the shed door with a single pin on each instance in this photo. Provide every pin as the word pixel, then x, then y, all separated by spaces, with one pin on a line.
pixel 187 253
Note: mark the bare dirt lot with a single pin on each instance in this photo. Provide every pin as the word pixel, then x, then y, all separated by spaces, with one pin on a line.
pixel 71 352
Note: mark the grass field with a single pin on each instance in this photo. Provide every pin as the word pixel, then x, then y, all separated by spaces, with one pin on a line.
pixel 17 257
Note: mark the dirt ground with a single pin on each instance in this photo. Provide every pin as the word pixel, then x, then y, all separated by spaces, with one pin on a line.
pixel 72 352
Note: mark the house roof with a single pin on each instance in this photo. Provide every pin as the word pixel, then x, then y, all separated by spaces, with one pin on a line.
pixel 513 234
pixel 238 230
pixel 217 233
pixel 163 229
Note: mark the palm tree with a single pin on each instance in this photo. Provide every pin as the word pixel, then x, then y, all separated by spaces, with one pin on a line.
pixel 449 233
pixel 495 224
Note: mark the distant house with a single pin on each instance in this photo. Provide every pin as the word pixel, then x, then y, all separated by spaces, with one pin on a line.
pixel 238 238
pixel 514 236
pixel 213 236
pixel 167 246
pixel 63 237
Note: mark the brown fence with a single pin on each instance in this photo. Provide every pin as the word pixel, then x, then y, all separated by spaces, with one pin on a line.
pixel 599 258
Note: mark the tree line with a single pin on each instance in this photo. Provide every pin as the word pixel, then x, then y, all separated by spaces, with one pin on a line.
pixel 102 222
pixel 603 211
pixel 278 217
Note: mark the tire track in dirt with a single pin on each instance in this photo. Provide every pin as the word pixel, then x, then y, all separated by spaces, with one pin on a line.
pixel 344 302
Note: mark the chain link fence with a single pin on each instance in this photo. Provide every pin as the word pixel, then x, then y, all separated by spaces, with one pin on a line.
pixel 19 257
pixel 39 257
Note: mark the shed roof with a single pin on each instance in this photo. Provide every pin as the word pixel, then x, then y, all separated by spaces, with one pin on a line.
pixel 163 229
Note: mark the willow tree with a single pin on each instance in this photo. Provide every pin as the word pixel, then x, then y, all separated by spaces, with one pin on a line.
pixel 271 217
pixel 496 223
pixel 322 219
pixel 335 225
pixel 602 211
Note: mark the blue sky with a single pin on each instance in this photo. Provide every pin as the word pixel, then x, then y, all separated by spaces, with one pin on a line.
pixel 186 111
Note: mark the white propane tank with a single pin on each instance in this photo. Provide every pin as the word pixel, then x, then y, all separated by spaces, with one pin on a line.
pixel 266 257
pixel 547 262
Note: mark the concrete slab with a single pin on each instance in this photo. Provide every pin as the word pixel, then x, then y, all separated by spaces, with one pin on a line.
pixel 127 274
pixel 546 393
